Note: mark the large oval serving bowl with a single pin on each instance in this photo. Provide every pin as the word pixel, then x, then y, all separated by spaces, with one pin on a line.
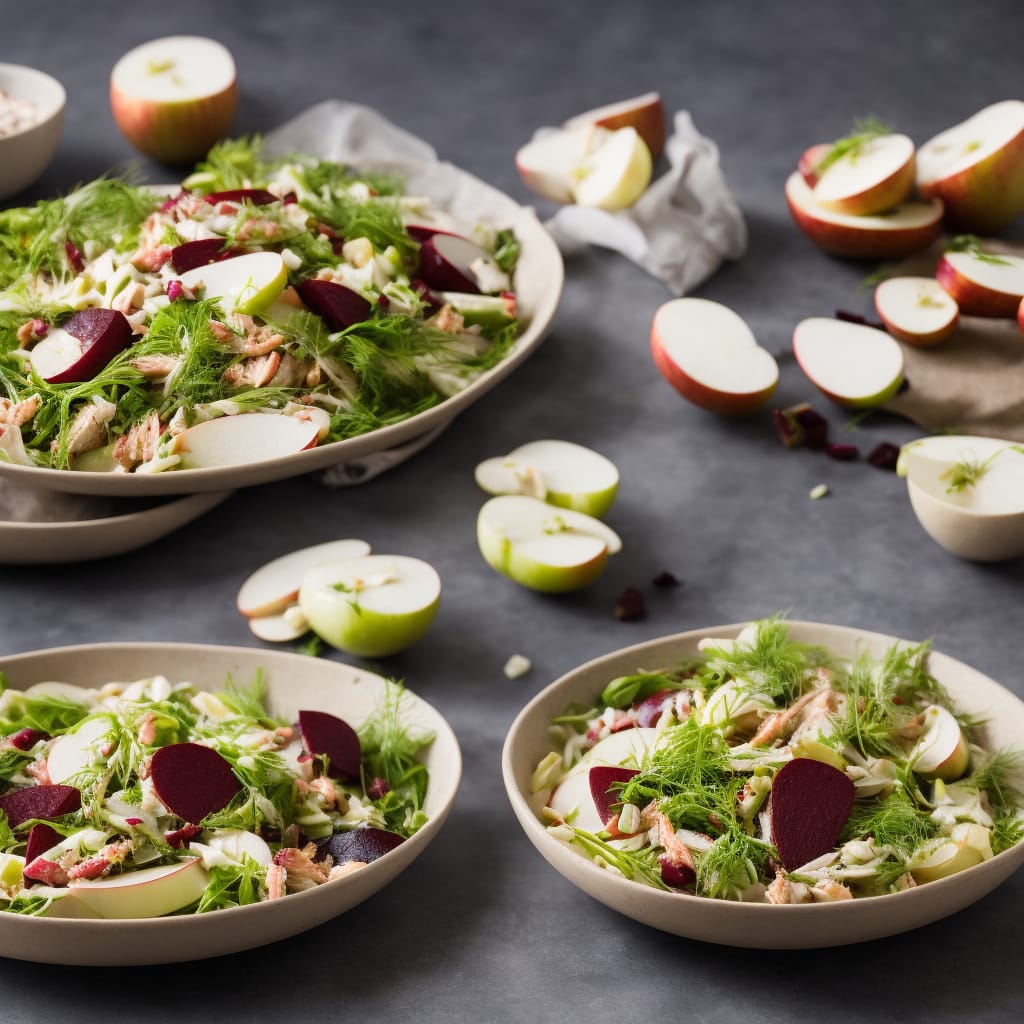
pixel 294 682
pixel 761 926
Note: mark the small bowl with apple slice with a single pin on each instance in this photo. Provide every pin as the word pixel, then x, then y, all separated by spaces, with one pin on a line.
pixel 296 686
pixel 759 925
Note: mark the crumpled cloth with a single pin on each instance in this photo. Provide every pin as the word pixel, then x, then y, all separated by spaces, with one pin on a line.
pixel 680 230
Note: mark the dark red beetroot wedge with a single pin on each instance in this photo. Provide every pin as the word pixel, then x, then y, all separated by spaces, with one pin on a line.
pixel 339 306
pixel 79 350
pixel 810 803
pixel 675 874
pixel 445 263
pixel 40 839
pixel 333 738
pixel 190 255
pixel 26 739
pixel 362 844
pixel 45 802
pixel 192 781
pixel 256 196
pixel 602 778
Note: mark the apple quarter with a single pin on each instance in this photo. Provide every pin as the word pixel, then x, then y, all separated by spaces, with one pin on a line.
pixel 645 113
pixel 615 173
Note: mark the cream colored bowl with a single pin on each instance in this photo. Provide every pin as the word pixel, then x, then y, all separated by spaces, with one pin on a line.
pixel 294 682
pixel 25 154
pixel 760 926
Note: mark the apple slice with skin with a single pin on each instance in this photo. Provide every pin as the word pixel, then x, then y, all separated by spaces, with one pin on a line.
pixel 192 781
pixel 809 160
pixel 81 348
pixel 908 228
pixel 326 735
pixel 371 606
pixel 711 357
pixel 280 628
pixel 242 284
pixel 982 283
pixel 572 800
pixel 446 263
pixel 359 844
pixel 977 168
pixel 855 366
pixel 74 751
pixel 173 98
pixel 541 547
pixel 247 437
pixel 941 752
pixel 560 472
pixel 339 306
pixel 546 164
pixel 967 845
pixel 873 177
pixel 148 892
pixel 275 585
pixel 615 173
pixel 645 113
pixel 917 310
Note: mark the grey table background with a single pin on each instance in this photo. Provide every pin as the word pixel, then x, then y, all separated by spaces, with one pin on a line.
pixel 481 929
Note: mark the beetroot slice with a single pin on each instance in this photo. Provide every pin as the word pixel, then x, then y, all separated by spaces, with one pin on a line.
pixel 810 802
pixel 190 255
pixel 256 196
pixel 602 778
pixel 445 263
pixel 26 739
pixel 676 875
pixel 362 844
pixel 40 839
pixel 339 306
pixel 331 737
pixel 45 802
pixel 192 781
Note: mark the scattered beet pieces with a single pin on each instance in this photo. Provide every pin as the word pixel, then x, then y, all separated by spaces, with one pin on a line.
pixel 256 196
pixel 801 425
pixel 192 781
pixel 884 456
pixel 842 452
pixel 40 839
pixel 665 580
pixel 360 844
pixel 631 606
pixel 325 735
pixel 602 779
pixel 190 255
pixel 810 802
pixel 339 306
pixel 43 802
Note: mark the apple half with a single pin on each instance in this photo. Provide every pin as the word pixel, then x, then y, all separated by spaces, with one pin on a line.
pixel 173 98
pixel 903 230
pixel 917 310
pixel 982 283
pixel 855 366
pixel 711 357
pixel 615 173
pixel 977 168
pixel 645 113
pixel 559 472
pixel 371 606
pixel 874 177
pixel 247 437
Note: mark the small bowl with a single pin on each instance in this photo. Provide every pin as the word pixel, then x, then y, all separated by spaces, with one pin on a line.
pixel 758 925
pixel 25 154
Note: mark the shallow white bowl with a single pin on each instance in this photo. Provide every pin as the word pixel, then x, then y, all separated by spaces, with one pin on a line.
pixel 760 926
pixel 294 682
pixel 25 155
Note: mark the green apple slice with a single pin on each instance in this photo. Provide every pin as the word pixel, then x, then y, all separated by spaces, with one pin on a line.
pixel 371 606
pixel 244 438
pixel 541 547
pixel 242 284
pixel 492 312
pixel 75 751
pixel 148 892
pixel 560 472
pixel 941 752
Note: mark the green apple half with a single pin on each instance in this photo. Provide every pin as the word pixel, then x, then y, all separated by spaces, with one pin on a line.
pixel 541 547
pixel 242 284
pixel 559 472
pixel 371 606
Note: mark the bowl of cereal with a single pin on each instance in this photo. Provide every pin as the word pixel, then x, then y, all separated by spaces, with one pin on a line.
pixel 31 120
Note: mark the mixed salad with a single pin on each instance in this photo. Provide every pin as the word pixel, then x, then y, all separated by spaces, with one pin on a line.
pixel 290 287
pixel 153 797
pixel 768 770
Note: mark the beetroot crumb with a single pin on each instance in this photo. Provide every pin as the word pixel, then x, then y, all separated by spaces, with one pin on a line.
pixel 631 606
pixel 174 290
pixel 377 788
pixel 814 425
pixel 842 452
pixel 884 456
pixel 665 579
pixel 790 432
pixel 74 255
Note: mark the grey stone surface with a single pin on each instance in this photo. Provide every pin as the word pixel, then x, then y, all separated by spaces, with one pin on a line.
pixel 480 929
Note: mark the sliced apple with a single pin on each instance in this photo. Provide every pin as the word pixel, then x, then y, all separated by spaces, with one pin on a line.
pixel 560 472
pixel 247 437
pixel 541 547
pixel 855 366
pixel 491 312
pixel 275 585
pixel 242 284
pixel 82 347
pixel 907 228
pixel 173 98
pixel 917 310
pixel 281 628
pixel 339 306
pixel 875 176
pixel 942 857
pixel 977 168
pixel 372 606
pixel 645 113
pixel 615 173
pixel 810 159
pixel 711 357
pixel 629 747
pixel 572 800
pixel 941 752
pixel 983 283
pixel 148 892
pixel 446 263
pixel 77 750
pixel 237 844
pixel 547 163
